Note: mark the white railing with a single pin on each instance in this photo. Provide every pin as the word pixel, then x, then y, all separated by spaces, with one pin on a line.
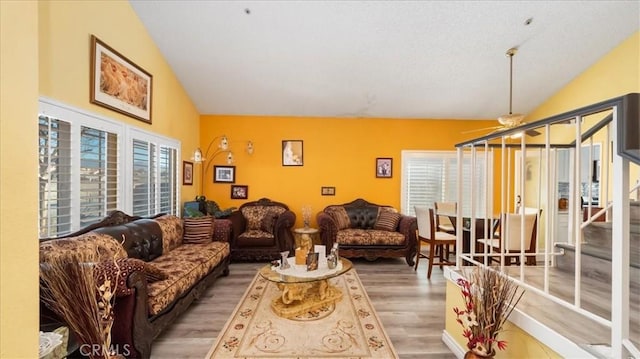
pixel 537 186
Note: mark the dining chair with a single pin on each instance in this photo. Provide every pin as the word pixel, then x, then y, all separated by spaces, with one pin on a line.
pixel 510 231
pixel 426 233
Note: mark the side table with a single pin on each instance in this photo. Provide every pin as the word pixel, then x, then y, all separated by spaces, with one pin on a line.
pixel 314 233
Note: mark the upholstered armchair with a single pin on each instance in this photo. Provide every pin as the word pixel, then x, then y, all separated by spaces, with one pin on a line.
pixel 261 230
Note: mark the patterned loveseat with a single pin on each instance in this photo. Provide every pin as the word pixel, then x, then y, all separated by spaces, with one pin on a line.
pixel 165 264
pixel 364 229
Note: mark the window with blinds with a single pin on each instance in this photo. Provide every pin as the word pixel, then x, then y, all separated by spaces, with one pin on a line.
pixel 154 178
pixel 83 175
pixel 98 174
pixel 54 157
pixel 430 176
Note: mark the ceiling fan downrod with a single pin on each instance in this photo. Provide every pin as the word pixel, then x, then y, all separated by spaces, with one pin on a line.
pixel 512 51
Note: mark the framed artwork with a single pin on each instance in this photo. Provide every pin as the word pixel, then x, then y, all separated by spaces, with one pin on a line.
pixel 292 153
pixel 187 173
pixel 224 174
pixel 239 192
pixel 328 191
pixel 118 84
pixel 384 167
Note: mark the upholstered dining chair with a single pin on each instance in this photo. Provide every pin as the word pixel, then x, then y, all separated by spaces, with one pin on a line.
pixel 510 232
pixel 427 233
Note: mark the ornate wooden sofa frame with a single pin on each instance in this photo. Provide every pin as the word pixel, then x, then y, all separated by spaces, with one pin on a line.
pixel 151 307
pixel 362 235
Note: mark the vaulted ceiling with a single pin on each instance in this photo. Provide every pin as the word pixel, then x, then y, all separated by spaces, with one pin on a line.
pixel 394 59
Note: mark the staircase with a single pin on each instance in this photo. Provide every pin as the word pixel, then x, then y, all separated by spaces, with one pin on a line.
pixel 596 250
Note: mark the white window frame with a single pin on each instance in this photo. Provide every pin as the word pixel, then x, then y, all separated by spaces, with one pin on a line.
pixel 78 118
pixel 407 155
pixel 158 141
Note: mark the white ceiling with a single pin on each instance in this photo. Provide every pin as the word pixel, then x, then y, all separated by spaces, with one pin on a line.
pixel 396 59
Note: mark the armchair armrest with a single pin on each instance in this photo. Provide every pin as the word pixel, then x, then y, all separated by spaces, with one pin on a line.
pixel 408 226
pixel 328 229
pixel 238 224
pixel 284 223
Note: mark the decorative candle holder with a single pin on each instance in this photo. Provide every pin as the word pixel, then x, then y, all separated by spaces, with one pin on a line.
pixel 334 251
pixel 332 261
pixel 284 263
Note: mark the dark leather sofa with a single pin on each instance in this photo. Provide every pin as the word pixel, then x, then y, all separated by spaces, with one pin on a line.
pixel 142 315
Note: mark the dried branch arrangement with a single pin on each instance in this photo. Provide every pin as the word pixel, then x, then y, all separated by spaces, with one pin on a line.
pixel 490 297
pixel 70 289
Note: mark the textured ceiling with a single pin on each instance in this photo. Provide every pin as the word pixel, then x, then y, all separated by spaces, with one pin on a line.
pixel 397 59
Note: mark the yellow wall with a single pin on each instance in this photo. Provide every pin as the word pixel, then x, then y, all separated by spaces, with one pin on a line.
pixel 45 52
pixel 18 180
pixel 519 343
pixel 615 74
pixel 65 30
pixel 337 152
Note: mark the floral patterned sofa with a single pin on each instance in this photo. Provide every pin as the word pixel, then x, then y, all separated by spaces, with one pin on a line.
pixel 364 229
pixel 168 262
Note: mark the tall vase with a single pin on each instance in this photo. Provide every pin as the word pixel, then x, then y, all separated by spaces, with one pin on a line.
pixel 473 355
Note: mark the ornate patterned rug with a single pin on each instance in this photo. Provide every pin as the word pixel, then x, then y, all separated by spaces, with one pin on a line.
pixel 347 329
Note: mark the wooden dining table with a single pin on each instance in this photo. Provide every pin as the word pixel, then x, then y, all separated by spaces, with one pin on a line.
pixel 479 231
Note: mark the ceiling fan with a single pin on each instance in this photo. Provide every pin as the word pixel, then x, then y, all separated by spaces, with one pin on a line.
pixel 510 120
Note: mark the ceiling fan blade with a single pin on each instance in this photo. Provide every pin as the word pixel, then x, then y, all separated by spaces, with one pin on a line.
pixel 482 129
pixel 533 133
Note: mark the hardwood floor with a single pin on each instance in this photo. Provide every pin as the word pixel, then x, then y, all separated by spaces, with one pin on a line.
pixel 411 308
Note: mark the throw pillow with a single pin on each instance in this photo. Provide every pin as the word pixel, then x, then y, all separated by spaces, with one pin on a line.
pixel 153 273
pixel 340 216
pixel 198 230
pixel 107 270
pixel 268 222
pixel 254 215
pixel 387 221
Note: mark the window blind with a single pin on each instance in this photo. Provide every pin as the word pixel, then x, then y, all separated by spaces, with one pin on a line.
pixel 431 176
pixel 54 157
pixel 98 174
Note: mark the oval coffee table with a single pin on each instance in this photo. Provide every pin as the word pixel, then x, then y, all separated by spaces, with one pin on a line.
pixel 303 290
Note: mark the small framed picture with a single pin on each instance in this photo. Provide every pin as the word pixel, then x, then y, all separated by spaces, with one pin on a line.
pixel 312 261
pixel 187 173
pixel 292 153
pixel 328 191
pixel 384 167
pixel 224 174
pixel 239 192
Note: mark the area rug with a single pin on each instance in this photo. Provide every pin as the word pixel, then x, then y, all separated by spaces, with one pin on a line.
pixel 348 329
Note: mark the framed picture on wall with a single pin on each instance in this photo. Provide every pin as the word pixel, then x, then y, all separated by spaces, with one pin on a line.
pixel 292 153
pixel 384 167
pixel 118 84
pixel 187 173
pixel 239 192
pixel 224 174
